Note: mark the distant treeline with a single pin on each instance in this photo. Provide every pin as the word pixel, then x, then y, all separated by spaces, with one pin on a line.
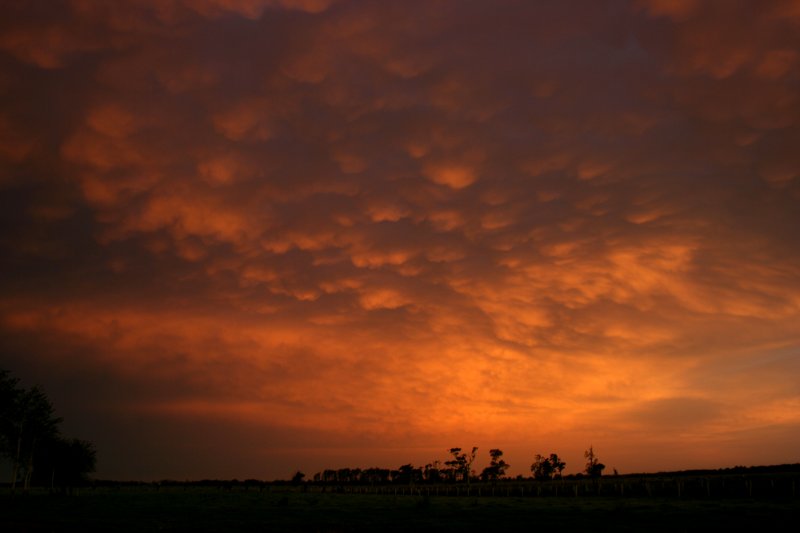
pixel 775 482
pixel 458 469
pixel 770 469
pixel 734 472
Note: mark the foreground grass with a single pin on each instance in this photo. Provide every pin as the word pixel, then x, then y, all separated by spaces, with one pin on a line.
pixel 135 509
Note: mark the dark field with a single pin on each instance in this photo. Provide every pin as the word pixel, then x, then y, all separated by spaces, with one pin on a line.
pixel 211 509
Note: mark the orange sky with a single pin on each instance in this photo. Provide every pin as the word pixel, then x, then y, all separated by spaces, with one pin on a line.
pixel 242 237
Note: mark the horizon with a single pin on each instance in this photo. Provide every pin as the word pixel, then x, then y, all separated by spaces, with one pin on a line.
pixel 251 237
pixel 477 467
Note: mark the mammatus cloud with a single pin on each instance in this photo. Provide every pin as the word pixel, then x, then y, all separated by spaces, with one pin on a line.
pixel 353 232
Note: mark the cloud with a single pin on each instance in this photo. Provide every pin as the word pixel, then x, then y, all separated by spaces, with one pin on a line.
pixel 676 414
pixel 404 225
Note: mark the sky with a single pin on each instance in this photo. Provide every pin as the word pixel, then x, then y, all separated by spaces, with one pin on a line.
pixel 240 238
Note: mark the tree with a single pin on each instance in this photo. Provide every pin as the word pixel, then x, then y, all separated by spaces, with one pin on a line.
pixel 557 464
pixel 407 474
pixel 344 475
pixel 9 398
pixel 30 437
pixel 497 466
pixel 594 468
pixel 297 478
pixel 432 472
pixel 33 422
pixel 542 468
pixel 375 476
pixel 461 464
pixel 65 463
pixel 546 468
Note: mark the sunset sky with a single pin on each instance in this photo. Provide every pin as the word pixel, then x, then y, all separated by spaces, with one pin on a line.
pixel 244 237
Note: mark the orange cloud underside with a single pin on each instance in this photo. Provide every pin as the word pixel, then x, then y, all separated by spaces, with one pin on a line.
pixel 393 231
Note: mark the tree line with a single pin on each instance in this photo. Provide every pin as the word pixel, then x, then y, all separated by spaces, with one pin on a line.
pixel 457 469
pixel 31 440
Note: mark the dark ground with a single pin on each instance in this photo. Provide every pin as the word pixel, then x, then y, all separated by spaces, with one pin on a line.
pixel 198 509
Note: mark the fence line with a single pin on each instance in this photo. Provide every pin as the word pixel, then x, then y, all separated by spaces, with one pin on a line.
pixel 705 487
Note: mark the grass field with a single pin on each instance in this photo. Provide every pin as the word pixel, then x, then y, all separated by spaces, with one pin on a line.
pixel 199 509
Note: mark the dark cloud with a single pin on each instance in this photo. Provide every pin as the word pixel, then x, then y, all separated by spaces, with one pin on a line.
pixel 397 226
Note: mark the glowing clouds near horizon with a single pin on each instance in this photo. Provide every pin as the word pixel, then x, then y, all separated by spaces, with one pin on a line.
pixel 366 232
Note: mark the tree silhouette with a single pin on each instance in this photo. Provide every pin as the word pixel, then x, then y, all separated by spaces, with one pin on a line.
pixel 29 436
pixel 461 464
pixel 65 463
pixel 344 475
pixel 497 466
pixel 432 472
pixel 35 422
pixel 408 474
pixel 558 465
pixel 542 469
pixel 9 394
pixel 594 468
pixel 545 468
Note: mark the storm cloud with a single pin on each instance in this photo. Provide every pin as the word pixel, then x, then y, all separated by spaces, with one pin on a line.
pixel 364 232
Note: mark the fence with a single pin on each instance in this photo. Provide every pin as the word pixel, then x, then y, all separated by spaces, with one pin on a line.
pixel 707 487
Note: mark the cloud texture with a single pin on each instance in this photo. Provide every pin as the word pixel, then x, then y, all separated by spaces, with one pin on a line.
pixel 242 237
